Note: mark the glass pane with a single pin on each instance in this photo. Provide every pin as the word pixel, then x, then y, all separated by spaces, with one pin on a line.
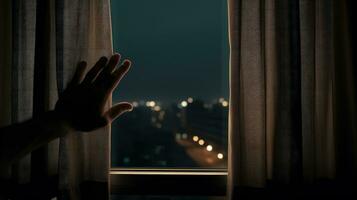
pixel 178 83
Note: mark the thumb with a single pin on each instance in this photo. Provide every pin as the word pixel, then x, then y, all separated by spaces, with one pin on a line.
pixel 118 109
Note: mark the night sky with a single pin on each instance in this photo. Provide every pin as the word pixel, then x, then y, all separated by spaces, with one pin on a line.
pixel 179 48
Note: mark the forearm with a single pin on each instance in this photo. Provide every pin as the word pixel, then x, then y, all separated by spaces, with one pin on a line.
pixel 19 139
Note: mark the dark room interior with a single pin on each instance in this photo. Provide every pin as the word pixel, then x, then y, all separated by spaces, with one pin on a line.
pixel 178 100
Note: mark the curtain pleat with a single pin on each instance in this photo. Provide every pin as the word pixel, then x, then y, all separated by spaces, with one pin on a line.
pixel 250 141
pixel 33 81
pixel 345 92
pixel 41 72
pixel 287 163
pixel 293 93
pixel 5 70
pixel 22 73
pixel 307 27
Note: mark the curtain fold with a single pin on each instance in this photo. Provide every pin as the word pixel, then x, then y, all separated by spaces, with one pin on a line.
pixel 5 70
pixel 293 93
pixel 46 41
pixel 22 73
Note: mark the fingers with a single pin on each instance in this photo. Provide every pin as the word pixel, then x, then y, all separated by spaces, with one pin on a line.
pixel 117 110
pixel 112 80
pixel 105 75
pixel 114 60
pixel 79 74
pixel 107 71
pixel 118 74
pixel 93 73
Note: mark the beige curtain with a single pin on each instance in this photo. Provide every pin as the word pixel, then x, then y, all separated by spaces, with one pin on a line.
pixel 293 93
pixel 43 42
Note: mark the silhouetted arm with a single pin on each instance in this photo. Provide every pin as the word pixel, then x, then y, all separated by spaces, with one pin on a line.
pixel 81 107
pixel 19 139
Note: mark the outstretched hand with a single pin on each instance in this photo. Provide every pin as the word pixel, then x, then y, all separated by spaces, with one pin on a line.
pixel 83 103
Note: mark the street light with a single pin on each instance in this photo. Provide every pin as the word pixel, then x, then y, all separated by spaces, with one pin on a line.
pixel 190 99
pixel 201 142
pixel 184 104
pixel 225 103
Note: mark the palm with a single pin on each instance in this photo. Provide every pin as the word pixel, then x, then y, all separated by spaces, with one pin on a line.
pixel 83 103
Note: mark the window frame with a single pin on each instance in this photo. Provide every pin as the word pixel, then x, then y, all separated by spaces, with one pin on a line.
pixel 177 182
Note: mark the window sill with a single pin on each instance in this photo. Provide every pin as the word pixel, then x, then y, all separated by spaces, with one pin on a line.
pixel 131 181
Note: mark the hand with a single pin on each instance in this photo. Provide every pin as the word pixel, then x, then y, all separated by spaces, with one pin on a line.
pixel 83 103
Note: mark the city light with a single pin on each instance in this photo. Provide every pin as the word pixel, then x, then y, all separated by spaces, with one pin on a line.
pixel 225 103
pixel 178 136
pixel 201 142
pixel 190 99
pixel 184 135
pixel 135 104
pixel 150 103
pixel 195 138
pixel 220 156
pixel 183 103
pixel 209 148
pixel 157 108
pixel 221 100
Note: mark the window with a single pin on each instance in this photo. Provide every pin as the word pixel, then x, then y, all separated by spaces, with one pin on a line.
pixel 179 87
